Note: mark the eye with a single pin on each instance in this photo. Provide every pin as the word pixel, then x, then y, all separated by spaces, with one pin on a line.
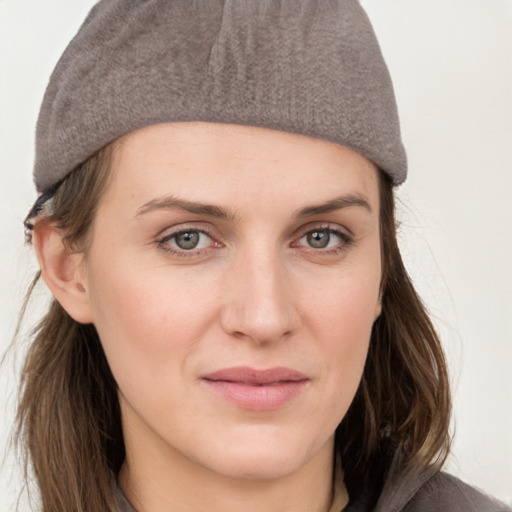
pixel 186 240
pixel 325 238
pixel 319 239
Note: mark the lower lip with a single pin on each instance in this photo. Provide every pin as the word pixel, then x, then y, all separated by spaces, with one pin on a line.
pixel 257 398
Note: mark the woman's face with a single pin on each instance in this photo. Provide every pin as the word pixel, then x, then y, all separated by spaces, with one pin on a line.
pixel 233 277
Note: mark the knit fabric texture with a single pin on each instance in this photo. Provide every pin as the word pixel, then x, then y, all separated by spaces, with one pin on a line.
pixel 309 67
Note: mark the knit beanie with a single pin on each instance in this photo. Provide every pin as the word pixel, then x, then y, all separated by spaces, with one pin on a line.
pixel 311 67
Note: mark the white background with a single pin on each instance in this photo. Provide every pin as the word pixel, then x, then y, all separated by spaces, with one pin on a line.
pixel 451 62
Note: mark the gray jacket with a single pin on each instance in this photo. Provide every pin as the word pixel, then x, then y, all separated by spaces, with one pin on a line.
pixel 440 493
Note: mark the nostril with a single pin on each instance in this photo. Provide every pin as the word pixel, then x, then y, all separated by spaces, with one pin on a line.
pixel 258 330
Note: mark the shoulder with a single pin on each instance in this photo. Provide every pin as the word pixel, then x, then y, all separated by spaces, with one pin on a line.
pixel 445 493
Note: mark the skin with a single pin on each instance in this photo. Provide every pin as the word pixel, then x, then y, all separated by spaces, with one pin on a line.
pixel 254 293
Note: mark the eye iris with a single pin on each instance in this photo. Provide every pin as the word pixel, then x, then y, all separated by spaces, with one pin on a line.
pixel 318 239
pixel 187 240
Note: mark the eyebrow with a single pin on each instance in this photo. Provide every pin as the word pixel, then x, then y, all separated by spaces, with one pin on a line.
pixel 171 202
pixel 337 203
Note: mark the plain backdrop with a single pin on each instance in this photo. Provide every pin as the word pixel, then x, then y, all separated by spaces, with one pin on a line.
pixel 451 63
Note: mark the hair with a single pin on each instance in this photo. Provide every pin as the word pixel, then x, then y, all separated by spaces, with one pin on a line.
pixel 69 421
pixel 398 423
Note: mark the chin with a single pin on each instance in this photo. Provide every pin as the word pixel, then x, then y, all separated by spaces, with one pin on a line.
pixel 264 456
pixel 260 466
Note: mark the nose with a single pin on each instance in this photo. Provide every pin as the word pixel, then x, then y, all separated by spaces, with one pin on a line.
pixel 259 299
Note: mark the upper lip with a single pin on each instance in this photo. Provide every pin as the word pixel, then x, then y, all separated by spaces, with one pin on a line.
pixel 248 375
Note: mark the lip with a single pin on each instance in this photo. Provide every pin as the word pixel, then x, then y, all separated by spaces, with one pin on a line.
pixel 257 390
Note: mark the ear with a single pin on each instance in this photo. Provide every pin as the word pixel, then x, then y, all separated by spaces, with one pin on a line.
pixel 62 271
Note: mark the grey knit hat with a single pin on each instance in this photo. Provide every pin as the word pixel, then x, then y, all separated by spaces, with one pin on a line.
pixel 312 67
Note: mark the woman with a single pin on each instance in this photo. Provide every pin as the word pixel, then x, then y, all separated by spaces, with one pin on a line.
pixel 232 326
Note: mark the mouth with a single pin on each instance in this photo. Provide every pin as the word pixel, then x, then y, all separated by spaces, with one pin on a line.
pixel 257 390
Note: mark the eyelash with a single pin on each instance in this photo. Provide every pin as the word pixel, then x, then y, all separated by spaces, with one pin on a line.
pixel 163 243
pixel 345 241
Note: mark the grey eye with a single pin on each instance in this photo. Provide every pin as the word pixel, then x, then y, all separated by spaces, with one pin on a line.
pixel 187 240
pixel 318 239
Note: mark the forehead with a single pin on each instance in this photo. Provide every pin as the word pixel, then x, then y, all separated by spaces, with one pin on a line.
pixel 228 162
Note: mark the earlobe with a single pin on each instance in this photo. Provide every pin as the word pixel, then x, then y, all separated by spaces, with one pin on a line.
pixel 61 271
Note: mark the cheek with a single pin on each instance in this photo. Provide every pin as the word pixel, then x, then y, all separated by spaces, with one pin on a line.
pixel 341 318
pixel 147 321
pixel 348 328
pixel 344 304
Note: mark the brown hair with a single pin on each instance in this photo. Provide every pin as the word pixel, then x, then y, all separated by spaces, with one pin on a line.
pixel 398 422
pixel 69 422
